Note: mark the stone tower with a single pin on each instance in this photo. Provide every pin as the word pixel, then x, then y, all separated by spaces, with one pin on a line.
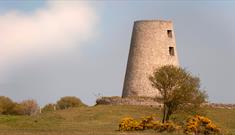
pixel 152 45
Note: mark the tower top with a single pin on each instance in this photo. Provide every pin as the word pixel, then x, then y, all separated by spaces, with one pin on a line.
pixel 164 21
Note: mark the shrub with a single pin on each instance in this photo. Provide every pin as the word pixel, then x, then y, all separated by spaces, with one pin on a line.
pixel 29 107
pixel 149 122
pixel 128 124
pixel 68 102
pixel 167 126
pixel 49 108
pixel 6 105
pixel 200 125
pixel 18 109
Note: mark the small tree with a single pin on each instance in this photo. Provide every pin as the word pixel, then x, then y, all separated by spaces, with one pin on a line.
pixel 178 90
pixel 68 102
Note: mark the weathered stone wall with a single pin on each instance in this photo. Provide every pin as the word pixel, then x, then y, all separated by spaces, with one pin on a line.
pixel 145 101
pixel 149 50
pixel 148 101
pixel 220 105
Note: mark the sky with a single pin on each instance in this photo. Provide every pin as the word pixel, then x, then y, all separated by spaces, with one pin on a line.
pixel 51 49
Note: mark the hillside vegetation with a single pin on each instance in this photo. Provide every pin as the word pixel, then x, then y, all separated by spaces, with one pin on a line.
pixel 95 120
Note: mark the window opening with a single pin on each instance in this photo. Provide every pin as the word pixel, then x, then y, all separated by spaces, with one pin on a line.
pixel 171 51
pixel 169 33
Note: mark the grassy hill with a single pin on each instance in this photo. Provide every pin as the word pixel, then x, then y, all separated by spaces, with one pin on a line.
pixel 96 120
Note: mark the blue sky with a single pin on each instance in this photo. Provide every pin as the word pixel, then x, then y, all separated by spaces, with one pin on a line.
pixel 91 61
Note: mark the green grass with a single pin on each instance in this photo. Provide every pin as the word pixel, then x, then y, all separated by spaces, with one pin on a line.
pixel 96 120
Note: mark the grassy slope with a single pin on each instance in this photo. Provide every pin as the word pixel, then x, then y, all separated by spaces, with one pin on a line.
pixel 93 120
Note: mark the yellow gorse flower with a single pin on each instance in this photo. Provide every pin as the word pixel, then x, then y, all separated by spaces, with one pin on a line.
pixel 200 124
pixel 148 122
pixel 195 125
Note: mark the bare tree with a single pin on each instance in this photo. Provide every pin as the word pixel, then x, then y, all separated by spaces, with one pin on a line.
pixel 29 107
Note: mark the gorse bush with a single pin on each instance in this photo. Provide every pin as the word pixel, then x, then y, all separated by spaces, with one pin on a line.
pixel 201 125
pixel 150 122
pixel 128 124
pixel 195 125
pixel 68 102
pixel 167 126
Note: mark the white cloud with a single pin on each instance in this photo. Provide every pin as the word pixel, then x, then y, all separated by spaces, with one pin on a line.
pixel 58 26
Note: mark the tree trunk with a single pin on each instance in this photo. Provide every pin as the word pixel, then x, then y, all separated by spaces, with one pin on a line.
pixel 168 115
pixel 164 113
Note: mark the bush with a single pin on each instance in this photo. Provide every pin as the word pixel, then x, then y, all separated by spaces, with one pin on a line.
pixel 68 102
pixel 128 124
pixel 28 107
pixel 18 109
pixel 49 108
pixel 6 105
pixel 200 125
pixel 195 125
pixel 167 126
pixel 150 122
